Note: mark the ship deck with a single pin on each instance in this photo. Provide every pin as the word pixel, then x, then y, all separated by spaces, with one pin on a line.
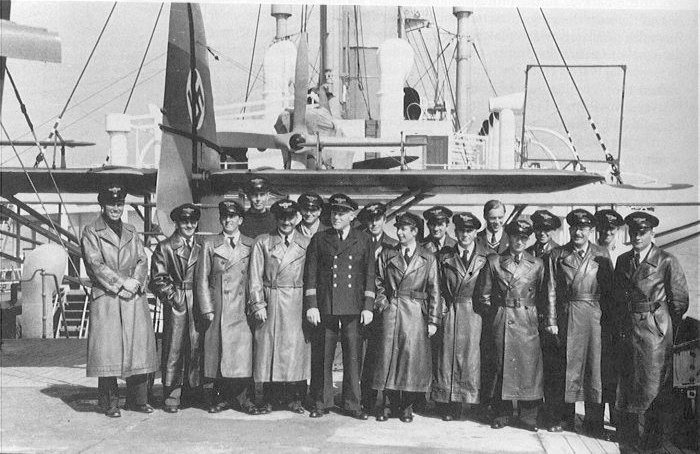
pixel 48 405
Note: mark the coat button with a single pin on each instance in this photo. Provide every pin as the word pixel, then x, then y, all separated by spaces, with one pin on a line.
pixel 335 266
pixel 510 322
pixel 349 285
pixel 349 276
pixel 350 257
pixel 335 275
pixel 335 285
pixel 335 257
pixel 349 267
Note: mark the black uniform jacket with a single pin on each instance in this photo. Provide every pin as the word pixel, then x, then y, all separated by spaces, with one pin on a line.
pixel 339 276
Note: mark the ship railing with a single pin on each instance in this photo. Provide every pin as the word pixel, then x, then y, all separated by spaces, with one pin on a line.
pixel 467 151
pixel 253 110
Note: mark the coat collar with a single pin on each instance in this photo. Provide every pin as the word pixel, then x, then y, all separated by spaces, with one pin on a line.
pixel 516 270
pixel 331 236
pixel 648 265
pixel 222 249
pixel 105 232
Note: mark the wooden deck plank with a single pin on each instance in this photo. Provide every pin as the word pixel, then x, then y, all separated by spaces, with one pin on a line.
pixel 554 443
pixel 576 443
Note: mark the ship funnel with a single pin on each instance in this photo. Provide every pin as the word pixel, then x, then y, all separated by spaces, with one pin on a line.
pixel 395 61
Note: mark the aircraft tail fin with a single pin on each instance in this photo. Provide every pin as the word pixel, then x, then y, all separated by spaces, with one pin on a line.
pixel 189 125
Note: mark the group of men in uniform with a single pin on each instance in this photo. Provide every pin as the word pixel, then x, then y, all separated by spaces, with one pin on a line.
pixel 478 321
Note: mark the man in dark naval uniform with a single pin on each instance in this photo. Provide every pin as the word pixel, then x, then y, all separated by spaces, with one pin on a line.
pixel 579 277
pixel 510 286
pixel 310 208
pixel 492 238
pixel 257 219
pixel 373 217
pixel 545 224
pixel 651 296
pixel 457 371
pixel 338 297
pixel 172 281
pixel 438 218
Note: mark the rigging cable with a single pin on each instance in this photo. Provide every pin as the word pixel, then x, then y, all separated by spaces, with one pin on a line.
pixel 23 107
pixel 432 64
pixel 41 202
pixel 360 85
pixel 252 57
pixel 483 65
pixel 614 169
pixel 455 120
pixel 551 94
pixel 148 46
pixel 40 156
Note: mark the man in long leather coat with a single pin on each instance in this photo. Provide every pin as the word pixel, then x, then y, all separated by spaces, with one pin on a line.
pixel 338 298
pixel 121 342
pixel 457 372
pixel 545 224
pixel 579 290
pixel 310 208
pixel 221 286
pixel 408 297
pixel 172 281
pixel 651 296
pixel 373 217
pixel 282 355
pixel 509 288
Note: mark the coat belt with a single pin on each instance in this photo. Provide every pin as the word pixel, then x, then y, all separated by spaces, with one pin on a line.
pixel 275 286
pixel 516 302
pixel 638 307
pixel 592 297
pixel 412 295
pixel 185 285
pixel 461 299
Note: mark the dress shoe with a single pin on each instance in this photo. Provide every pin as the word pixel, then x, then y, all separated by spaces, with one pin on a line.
pixel 528 426
pixel 113 412
pixel 359 414
pixel 555 428
pixel 218 408
pixel 296 407
pixel 170 409
pixel 406 419
pixel 447 417
pixel 251 410
pixel 143 408
pixel 265 409
pixel 317 413
pixel 499 423
pixel 382 417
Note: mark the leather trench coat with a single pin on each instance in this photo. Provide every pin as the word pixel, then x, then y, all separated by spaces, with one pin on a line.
pixel 408 297
pixel 172 281
pixel 457 370
pixel 221 288
pixel 511 293
pixel 282 352
pixel 579 292
pixel 121 342
pixel 649 305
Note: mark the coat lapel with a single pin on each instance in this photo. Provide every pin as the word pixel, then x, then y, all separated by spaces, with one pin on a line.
pixel 105 232
pixel 397 262
pixel 295 250
pixel 648 266
pixel 348 242
pixel 523 267
pixel 417 262
pixel 224 250
pixel 127 235
pixel 192 259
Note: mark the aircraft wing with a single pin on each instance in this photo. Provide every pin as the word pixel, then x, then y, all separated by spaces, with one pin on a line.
pixel 359 182
pixel 29 43
pixel 13 180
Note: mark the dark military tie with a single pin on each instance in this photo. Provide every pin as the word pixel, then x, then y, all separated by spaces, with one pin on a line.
pixel 340 235
pixel 406 256
pixel 465 258
pixel 232 242
pixel 286 240
pixel 581 253
pixel 635 261
pixel 516 259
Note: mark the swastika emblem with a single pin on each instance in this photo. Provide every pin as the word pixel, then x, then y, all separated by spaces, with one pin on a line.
pixel 197 117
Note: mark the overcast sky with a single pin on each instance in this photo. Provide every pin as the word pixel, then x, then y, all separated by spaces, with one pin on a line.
pixel 659 47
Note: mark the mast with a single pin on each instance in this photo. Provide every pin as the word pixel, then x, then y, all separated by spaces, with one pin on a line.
pixel 463 94
pixel 281 13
